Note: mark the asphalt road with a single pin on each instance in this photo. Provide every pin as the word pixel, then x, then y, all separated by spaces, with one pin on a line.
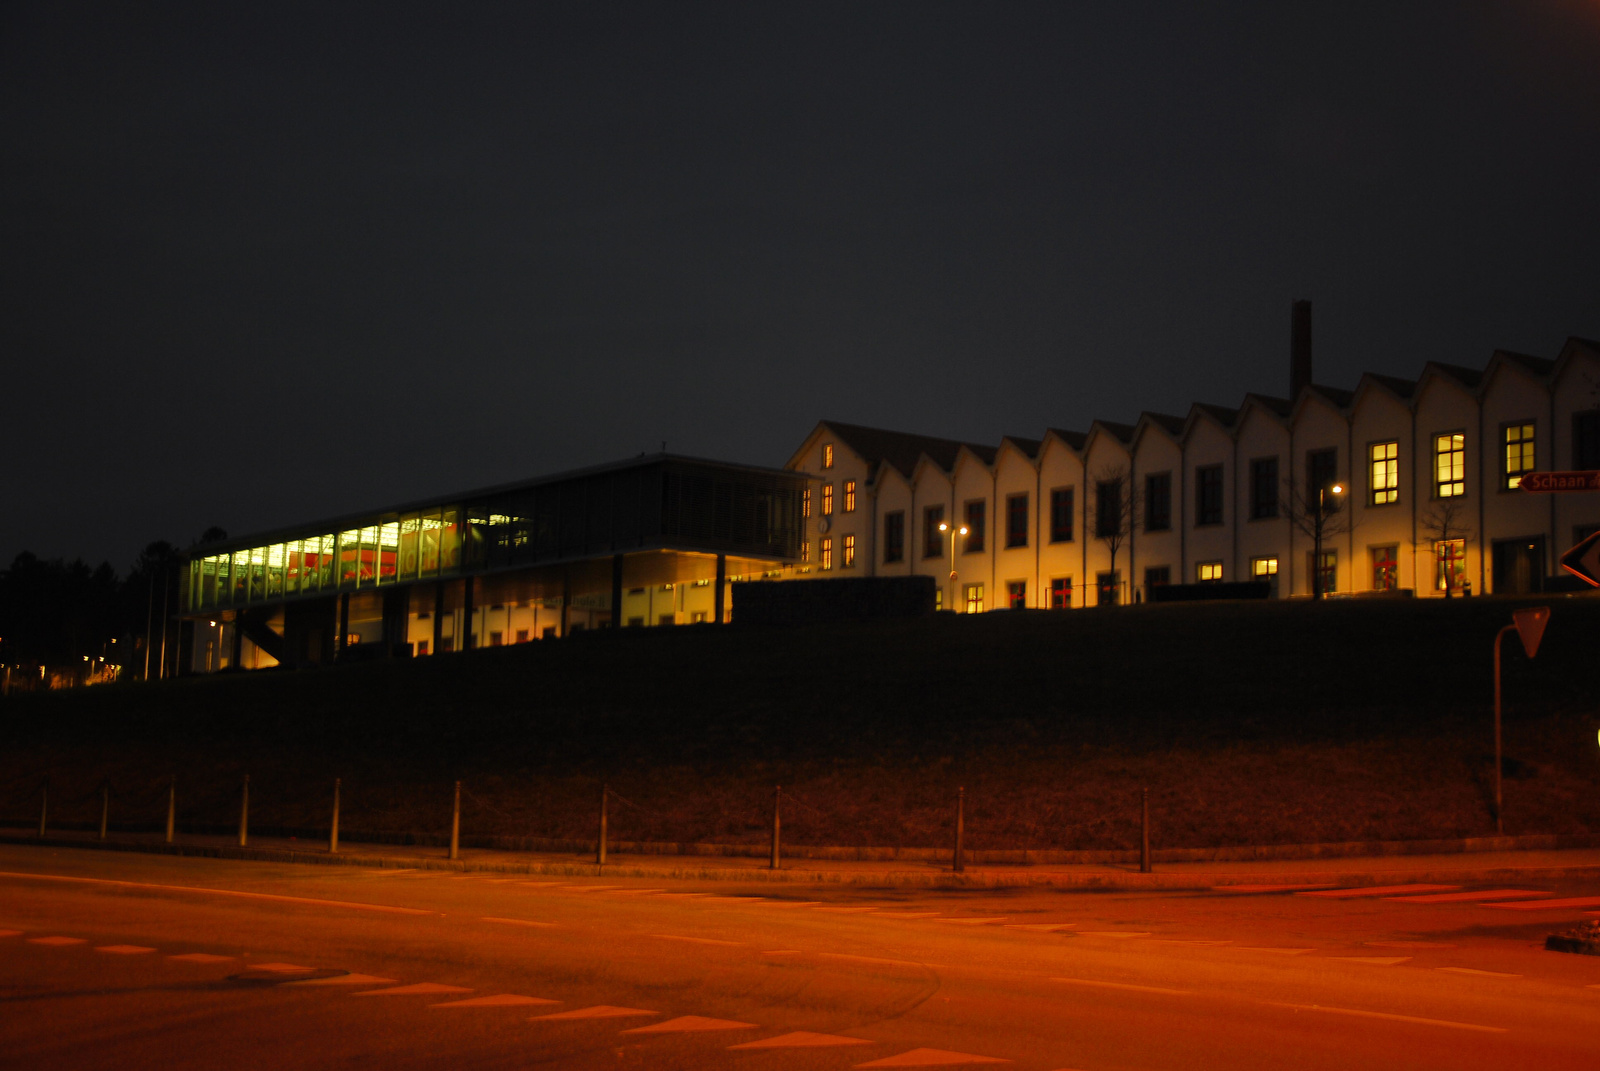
pixel 127 961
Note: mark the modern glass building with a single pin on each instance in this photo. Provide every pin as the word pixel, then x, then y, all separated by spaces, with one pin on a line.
pixel 647 542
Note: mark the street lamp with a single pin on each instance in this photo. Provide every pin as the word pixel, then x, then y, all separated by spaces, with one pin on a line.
pixel 1316 535
pixel 945 527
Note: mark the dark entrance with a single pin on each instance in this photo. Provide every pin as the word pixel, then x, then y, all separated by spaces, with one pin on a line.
pixel 1519 566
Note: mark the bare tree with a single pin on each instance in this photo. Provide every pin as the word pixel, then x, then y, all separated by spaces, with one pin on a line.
pixel 1117 510
pixel 1319 513
pixel 1445 521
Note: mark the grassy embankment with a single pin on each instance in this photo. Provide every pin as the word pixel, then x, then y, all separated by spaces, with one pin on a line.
pixel 1250 723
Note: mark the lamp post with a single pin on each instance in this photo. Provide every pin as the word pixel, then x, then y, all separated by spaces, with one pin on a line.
pixel 1316 536
pixel 945 527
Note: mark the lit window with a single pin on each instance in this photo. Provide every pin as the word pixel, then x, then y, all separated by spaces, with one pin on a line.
pixel 1385 459
pixel 825 557
pixel 1209 572
pixel 1385 568
pixel 805 551
pixel 938 599
pixel 805 502
pixel 974 598
pixel 1449 465
pixel 827 500
pixel 849 550
pixel 849 496
pixel 1327 570
pixel 827 455
pixel 1061 593
pixel 1263 568
pixel 1450 559
pixel 1519 454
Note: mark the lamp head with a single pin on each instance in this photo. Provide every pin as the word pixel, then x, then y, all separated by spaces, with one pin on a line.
pixel 1338 488
pixel 943 527
pixel 963 529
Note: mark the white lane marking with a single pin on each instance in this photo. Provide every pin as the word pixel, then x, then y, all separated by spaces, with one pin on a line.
pixel 1379 961
pixel 1129 986
pixel 1474 970
pixel 803 1039
pixel 1390 1016
pixel 343 979
pixel 124 950
pixel 518 922
pixel 55 942
pixel 416 989
pixel 200 957
pixel 1115 933
pixel 691 1024
pixel 932 1058
pixel 499 1000
pixel 598 1011
pixel 1377 890
pixel 220 892
pixel 693 940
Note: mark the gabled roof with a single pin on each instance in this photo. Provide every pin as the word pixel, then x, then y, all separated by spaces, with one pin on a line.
pixel 1029 448
pixel 1538 366
pixel 902 449
pixel 1400 388
pixel 1172 425
pixel 1465 377
pixel 1278 407
pixel 1220 413
pixel 1339 399
pixel 1123 433
pixel 1074 439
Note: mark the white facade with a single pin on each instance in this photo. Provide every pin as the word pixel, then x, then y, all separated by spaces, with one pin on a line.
pixel 1427 472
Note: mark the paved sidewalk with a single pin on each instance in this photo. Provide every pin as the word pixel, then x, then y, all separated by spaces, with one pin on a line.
pixel 1453 868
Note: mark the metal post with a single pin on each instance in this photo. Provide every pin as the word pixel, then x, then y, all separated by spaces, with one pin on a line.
pixel 44 804
pixel 172 808
pixel 455 825
pixel 777 802
pixel 1499 824
pixel 105 806
pixel 333 830
pixel 1144 831
pixel 958 863
pixel 244 813
pixel 600 853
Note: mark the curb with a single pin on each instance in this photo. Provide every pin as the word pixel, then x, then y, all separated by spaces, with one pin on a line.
pixel 1099 881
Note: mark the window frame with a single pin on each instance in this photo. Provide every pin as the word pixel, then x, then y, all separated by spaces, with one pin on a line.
pixel 932 538
pixel 894 536
pixel 827 500
pixel 1531 444
pixel 1158 521
pixel 1203 503
pixel 1374 487
pixel 976 514
pixel 1059 496
pixel 1460 484
pixel 1269 509
pixel 827 455
pixel 1201 568
pixel 1017 533
pixel 849 496
pixel 1061 585
pixel 825 554
pixel 847 551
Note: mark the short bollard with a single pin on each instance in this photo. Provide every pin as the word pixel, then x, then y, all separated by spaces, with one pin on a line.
pixel 105 806
pixel 600 852
pixel 172 808
pixel 777 807
pixel 333 830
pixel 455 825
pixel 959 863
pixel 44 805
pixel 244 813
pixel 1144 831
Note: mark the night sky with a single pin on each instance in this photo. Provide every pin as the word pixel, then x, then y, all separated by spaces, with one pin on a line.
pixel 260 267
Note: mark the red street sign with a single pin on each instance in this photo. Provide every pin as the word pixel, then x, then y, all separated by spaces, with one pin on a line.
pixel 1583 560
pixel 1530 626
pixel 1544 483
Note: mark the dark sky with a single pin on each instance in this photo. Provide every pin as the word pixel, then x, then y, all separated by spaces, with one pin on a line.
pixel 258 267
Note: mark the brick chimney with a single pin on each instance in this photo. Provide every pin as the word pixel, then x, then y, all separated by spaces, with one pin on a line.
pixel 1299 348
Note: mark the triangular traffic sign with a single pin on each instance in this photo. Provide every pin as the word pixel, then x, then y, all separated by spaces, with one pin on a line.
pixel 1583 560
pixel 1530 626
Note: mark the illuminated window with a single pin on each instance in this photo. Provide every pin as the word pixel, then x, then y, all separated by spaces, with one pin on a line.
pixel 827 455
pixel 697 618
pixel 1017 594
pixel 1061 593
pixel 977 518
pixel 1385 568
pixel 825 553
pixel 1327 570
pixel 1385 471
pixel 849 496
pixel 894 536
pixel 849 551
pixel 1450 565
pixel 932 538
pixel 1263 488
pixel 1519 453
pixel 938 599
pixel 1016 520
pixel 1449 465
pixel 805 502
pixel 805 551
pixel 1061 507
pixel 1158 502
pixel 973 594
pixel 827 500
pixel 1263 568
pixel 1208 572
